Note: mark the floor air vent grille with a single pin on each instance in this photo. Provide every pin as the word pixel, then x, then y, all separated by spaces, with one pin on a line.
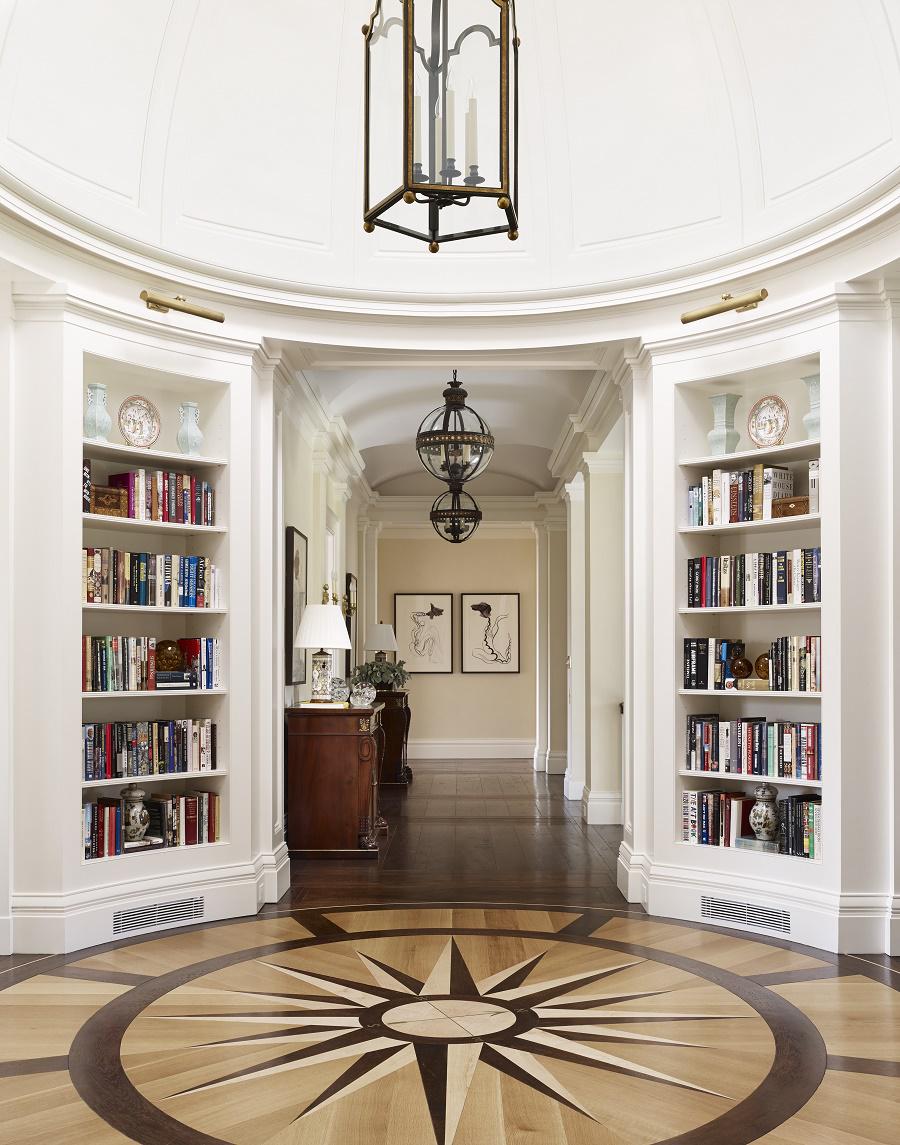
pixel 156 915
pixel 745 914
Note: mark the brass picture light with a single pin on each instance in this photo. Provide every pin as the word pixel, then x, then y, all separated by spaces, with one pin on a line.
pixel 740 305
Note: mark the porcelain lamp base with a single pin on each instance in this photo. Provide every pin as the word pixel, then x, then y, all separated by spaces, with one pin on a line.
pixel 321 677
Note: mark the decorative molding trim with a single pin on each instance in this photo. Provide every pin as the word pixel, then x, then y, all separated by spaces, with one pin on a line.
pixel 601 807
pixel 632 874
pixel 273 877
pixel 557 762
pixel 471 749
pixel 604 466
pixel 573 788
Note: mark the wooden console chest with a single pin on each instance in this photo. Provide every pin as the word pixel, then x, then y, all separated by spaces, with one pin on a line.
pixel 395 719
pixel 331 766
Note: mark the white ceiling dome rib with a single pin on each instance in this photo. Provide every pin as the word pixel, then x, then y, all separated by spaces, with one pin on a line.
pixel 661 140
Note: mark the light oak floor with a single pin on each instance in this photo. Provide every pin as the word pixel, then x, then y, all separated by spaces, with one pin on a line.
pixel 447 1021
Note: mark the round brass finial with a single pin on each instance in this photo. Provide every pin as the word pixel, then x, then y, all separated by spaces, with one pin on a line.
pixel 409 197
pixel 368 228
pixel 434 247
pixel 503 203
pixel 513 235
pixel 365 29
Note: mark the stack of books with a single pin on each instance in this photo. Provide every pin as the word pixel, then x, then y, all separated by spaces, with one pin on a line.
pixel 728 498
pixel 795 665
pixel 789 576
pixel 154 747
pixel 151 495
pixel 722 819
pixel 753 746
pixel 128 664
pixel 175 821
pixel 159 580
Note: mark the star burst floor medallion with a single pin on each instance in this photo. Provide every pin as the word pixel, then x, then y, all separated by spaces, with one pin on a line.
pixel 447 1031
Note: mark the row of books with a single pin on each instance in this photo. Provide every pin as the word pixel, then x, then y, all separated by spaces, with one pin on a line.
pixel 157 580
pixel 154 747
pixel 726 497
pixel 794 665
pixel 149 495
pixel 753 746
pixel 788 576
pixel 175 821
pixel 722 819
pixel 128 664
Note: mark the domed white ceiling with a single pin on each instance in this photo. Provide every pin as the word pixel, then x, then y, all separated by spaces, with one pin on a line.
pixel 657 135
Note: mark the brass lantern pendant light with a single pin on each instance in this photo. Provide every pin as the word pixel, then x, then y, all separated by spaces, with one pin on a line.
pixel 454 443
pixel 441 118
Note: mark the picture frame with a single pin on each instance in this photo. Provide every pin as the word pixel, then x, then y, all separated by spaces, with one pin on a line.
pixel 491 633
pixel 351 604
pixel 423 626
pixel 296 556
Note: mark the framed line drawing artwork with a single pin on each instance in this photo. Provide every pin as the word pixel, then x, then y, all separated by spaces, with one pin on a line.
pixel 423 626
pixel 295 556
pixel 490 632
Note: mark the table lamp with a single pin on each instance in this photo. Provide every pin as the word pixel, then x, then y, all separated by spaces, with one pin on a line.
pixel 380 639
pixel 322 626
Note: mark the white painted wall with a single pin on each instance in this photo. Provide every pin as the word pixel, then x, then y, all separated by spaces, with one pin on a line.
pixel 7 612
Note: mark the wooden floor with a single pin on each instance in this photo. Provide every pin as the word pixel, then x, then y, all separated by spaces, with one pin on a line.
pixel 482 983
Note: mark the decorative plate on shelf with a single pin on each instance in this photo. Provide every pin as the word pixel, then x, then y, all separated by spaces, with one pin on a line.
pixel 139 421
pixel 768 421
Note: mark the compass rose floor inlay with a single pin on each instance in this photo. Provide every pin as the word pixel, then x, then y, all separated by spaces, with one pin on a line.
pixel 450 1025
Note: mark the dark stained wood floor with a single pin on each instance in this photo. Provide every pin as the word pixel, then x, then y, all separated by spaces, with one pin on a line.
pixel 474 830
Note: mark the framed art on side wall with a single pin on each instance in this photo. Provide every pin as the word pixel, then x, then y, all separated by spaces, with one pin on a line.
pixel 423 625
pixel 295 554
pixel 490 632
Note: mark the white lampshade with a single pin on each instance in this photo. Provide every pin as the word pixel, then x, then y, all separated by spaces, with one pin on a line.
pixel 322 626
pixel 380 638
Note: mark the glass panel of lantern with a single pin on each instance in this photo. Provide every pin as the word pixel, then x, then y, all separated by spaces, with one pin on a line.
pixel 384 104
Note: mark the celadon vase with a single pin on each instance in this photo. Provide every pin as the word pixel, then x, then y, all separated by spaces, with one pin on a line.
pixel 97 422
pixel 190 436
pixel 723 437
pixel 811 420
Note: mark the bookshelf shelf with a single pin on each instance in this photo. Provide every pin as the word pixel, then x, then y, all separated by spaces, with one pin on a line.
pixel 764 856
pixel 746 608
pixel 157 694
pixel 161 610
pixel 155 851
pixel 131 524
pixel 727 777
pixel 142 780
pixel 132 455
pixel 777 455
pixel 734 693
pixel 776 524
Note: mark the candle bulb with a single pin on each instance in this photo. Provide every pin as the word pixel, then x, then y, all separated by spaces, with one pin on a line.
pixel 451 123
pixel 472 134
pixel 438 143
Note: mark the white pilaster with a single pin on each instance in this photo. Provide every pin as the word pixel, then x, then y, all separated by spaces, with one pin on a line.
pixel 602 799
pixel 557 596
pixel 368 592
pixel 636 848
pixel 542 662
pixel 577 714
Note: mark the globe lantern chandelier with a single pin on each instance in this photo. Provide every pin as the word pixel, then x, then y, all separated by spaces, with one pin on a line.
pixel 455 444
pixel 441 118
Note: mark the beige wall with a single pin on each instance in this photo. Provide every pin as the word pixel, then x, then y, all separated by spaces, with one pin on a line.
pixel 477 709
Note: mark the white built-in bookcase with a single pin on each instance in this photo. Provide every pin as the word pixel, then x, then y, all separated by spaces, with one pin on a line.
pixel 756 626
pixel 63 901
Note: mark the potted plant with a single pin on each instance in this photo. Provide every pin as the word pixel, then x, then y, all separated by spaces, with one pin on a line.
pixel 381 674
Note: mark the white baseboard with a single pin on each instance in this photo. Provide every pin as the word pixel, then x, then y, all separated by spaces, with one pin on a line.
pixel 273 879
pixel 540 759
pixel 601 807
pixel 632 875
pixel 62 923
pixel 557 762
pixel 573 788
pixel 471 749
